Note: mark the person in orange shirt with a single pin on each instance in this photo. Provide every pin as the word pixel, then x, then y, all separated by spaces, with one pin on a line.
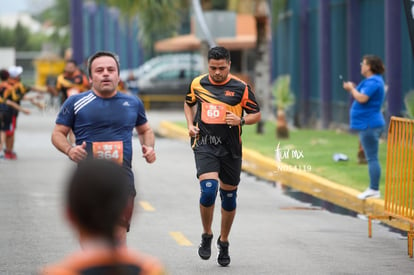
pixel 7 107
pixel 71 81
pixel 19 92
pixel 122 87
pixel 96 199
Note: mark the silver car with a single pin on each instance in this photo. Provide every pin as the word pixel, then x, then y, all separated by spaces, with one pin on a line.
pixel 168 79
pixel 162 60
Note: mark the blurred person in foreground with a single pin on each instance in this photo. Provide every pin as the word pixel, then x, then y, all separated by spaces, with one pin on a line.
pixel 217 106
pixel 366 117
pixel 103 120
pixel 96 199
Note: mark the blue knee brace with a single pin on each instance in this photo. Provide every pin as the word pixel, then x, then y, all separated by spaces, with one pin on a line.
pixel 208 192
pixel 228 199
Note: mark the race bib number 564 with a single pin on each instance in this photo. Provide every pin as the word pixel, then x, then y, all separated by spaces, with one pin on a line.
pixel 213 113
pixel 110 150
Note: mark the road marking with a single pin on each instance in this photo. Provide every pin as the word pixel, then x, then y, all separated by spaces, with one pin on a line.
pixel 146 206
pixel 180 239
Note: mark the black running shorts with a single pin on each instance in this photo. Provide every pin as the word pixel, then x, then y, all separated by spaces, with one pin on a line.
pixel 5 120
pixel 228 168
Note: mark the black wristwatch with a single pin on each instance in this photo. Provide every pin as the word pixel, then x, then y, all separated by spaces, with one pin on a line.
pixel 242 121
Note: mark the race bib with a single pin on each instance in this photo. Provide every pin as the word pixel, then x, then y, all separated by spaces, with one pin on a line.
pixel 213 113
pixel 72 91
pixel 110 150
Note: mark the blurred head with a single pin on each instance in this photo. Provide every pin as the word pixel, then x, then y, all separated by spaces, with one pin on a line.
pixel 97 196
pixel 372 64
pixel 70 66
pixel 15 72
pixel 103 68
pixel 4 74
pixel 218 64
pixel 131 76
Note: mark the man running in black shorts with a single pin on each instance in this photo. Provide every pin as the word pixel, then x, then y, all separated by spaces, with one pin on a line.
pixel 217 106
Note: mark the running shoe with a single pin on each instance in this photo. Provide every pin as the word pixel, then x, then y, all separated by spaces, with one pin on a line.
pixel 204 250
pixel 10 155
pixel 223 257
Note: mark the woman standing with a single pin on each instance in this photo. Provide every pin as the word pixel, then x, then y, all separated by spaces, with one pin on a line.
pixel 366 117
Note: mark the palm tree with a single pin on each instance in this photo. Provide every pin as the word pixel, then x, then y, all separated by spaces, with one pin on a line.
pixel 262 67
pixel 284 98
pixel 156 18
pixel 409 104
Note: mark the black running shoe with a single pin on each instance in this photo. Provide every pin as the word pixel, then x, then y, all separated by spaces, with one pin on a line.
pixel 204 250
pixel 223 257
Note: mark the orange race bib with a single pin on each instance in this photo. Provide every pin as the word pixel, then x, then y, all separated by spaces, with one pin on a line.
pixel 72 91
pixel 110 150
pixel 213 113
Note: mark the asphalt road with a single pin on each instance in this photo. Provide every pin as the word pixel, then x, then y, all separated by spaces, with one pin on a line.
pixel 272 233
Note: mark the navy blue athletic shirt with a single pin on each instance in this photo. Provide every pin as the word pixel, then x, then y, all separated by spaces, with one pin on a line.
pixel 104 123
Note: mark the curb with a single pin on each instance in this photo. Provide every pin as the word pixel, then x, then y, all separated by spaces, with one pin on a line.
pixel 271 170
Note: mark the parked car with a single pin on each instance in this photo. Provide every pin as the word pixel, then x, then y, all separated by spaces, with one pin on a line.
pixel 170 59
pixel 169 79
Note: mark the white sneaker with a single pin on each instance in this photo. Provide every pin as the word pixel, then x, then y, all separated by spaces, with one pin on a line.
pixel 369 193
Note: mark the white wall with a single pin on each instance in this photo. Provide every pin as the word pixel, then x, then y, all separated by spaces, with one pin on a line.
pixel 7 57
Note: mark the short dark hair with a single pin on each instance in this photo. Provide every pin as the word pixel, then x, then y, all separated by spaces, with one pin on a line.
pixel 97 196
pixel 73 61
pixel 218 53
pixel 4 74
pixel 375 63
pixel 99 54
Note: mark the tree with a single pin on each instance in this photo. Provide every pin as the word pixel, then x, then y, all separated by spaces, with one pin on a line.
pixel 214 4
pixel 21 37
pixel 6 37
pixel 409 104
pixel 283 98
pixel 58 16
pixel 262 13
pixel 157 19
pixel 262 66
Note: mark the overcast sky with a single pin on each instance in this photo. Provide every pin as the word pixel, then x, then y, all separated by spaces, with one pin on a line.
pixel 31 6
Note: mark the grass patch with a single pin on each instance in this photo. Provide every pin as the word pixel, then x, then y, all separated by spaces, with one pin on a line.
pixel 309 149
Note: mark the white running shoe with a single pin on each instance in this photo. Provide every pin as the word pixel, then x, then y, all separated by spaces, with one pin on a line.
pixel 369 193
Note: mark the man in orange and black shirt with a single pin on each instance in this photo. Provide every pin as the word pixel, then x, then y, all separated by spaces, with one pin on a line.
pixel 217 106
pixel 71 81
